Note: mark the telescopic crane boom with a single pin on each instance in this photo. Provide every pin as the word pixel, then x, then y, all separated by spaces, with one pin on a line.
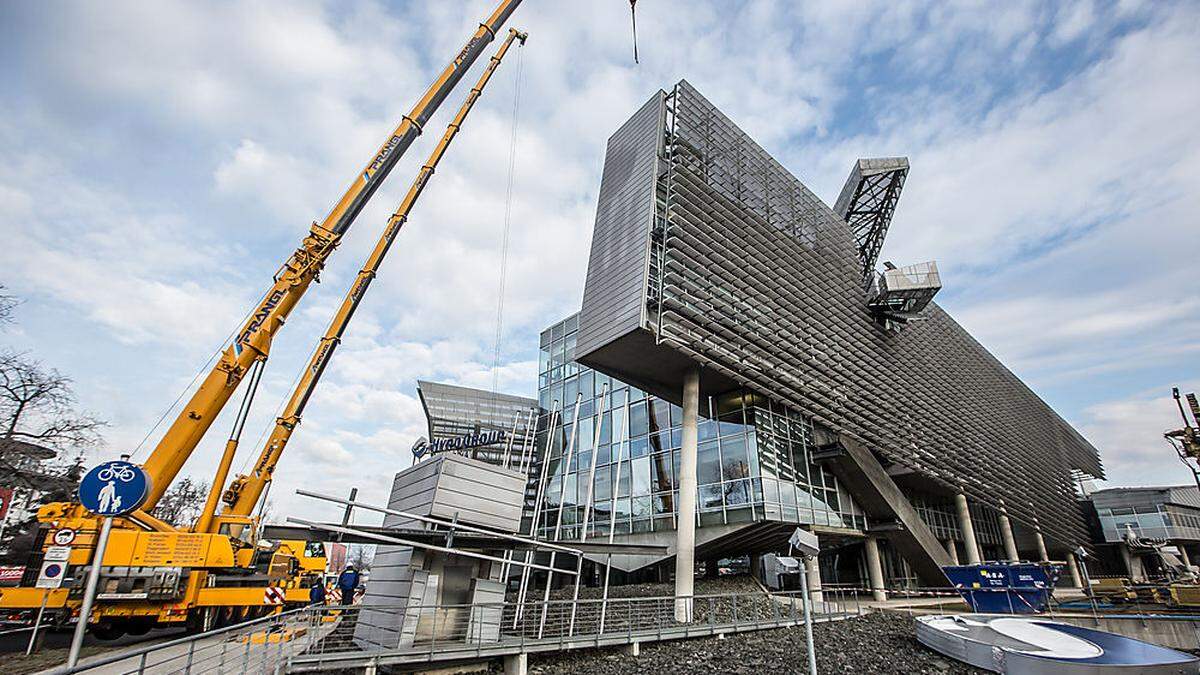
pixel 245 491
pixel 253 342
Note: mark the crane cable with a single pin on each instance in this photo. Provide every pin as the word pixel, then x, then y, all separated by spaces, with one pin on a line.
pixel 508 201
pixel 633 16
pixel 199 371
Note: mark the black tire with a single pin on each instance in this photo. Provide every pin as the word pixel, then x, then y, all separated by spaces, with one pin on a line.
pixel 201 620
pixel 139 627
pixel 107 631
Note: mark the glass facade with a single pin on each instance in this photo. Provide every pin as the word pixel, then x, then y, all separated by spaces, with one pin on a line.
pixel 614 455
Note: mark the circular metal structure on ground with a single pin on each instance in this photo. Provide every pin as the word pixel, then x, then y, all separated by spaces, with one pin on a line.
pixel 1007 644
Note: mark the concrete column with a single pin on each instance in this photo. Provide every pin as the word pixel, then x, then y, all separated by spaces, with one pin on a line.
pixel 874 569
pixel 1137 573
pixel 1043 556
pixel 968 529
pixel 952 549
pixel 1006 533
pixel 1073 568
pixel 814 579
pixel 516 664
pixel 685 533
pixel 711 568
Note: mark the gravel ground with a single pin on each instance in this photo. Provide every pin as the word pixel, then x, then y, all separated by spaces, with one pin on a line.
pixel 875 643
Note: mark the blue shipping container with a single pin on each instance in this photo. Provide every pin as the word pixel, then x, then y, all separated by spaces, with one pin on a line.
pixel 1005 588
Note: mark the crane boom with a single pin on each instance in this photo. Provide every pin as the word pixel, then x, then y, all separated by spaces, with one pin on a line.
pixel 245 490
pixel 253 341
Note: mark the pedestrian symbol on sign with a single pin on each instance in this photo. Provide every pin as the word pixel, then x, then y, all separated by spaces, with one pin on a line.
pixel 114 488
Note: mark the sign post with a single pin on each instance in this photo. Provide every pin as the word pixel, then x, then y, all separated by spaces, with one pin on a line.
pixel 54 567
pixel 109 489
pixel 806 544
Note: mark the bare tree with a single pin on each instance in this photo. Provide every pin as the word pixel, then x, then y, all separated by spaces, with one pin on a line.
pixel 42 439
pixel 360 556
pixel 182 503
pixel 38 420
pixel 7 304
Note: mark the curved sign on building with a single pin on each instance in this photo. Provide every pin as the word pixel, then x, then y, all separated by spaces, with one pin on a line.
pixel 424 446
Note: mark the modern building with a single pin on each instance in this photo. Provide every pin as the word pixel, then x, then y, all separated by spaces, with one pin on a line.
pixel 489 425
pixel 825 394
pixel 1137 524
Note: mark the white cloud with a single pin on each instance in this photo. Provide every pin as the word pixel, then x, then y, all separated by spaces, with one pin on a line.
pixel 160 168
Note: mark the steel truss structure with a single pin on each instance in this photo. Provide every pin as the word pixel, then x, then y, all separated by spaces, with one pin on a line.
pixel 707 250
pixel 867 202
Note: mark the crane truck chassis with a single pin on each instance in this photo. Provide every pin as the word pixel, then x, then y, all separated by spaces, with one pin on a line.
pixel 217 572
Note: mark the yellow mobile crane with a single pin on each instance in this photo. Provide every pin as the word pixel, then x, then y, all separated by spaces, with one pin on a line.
pixel 154 574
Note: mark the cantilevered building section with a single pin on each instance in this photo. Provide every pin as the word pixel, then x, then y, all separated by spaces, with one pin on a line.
pixel 707 252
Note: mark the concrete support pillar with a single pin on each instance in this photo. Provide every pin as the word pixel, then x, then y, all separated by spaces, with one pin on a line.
pixel 814 579
pixel 968 529
pixel 1006 533
pixel 1043 556
pixel 711 568
pixel 1137 573
pixel 952 549
pixel 1073 568
pixel 685 533
pixel 516 664
pixel 874 569
pixel 632 649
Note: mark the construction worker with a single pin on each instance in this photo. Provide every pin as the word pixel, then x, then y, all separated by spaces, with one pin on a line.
pixel 316 593
pixel 347 583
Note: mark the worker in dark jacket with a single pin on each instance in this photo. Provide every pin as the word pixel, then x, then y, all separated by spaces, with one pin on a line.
pixel 316 593
pixel 347 583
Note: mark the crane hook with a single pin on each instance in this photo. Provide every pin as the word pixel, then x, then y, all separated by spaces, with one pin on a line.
pixel 633 16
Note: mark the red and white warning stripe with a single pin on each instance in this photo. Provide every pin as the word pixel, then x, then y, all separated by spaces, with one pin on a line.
pixel 273 595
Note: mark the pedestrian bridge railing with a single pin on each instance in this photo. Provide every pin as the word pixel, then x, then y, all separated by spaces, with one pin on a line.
pixel 320 638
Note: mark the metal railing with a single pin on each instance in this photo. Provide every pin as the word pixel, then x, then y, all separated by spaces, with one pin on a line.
pixel 322 637
pixel 326 637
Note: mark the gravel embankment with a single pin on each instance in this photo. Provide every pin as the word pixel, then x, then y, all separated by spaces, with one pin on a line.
pixel 875 643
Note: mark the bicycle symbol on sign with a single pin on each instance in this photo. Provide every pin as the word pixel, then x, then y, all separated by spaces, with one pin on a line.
pixel 121 473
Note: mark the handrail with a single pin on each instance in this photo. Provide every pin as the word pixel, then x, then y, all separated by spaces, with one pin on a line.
pixel 134 653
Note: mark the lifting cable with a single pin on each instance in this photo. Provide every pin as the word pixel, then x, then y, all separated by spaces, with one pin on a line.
pixel 508 201
pixel 199 371
pixel 633 16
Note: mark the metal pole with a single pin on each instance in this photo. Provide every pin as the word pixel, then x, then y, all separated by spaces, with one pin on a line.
pixel 37 624
pixel 808 635
pixel 523 587
pixel 89 593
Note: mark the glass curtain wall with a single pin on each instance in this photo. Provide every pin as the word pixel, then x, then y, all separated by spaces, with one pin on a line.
pixel 752 460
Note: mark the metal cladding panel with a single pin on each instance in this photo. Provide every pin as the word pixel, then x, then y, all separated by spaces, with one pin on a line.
pixel 761 283
pixel 613 302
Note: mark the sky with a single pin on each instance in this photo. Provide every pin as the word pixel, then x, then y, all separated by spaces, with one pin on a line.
pixel 161 160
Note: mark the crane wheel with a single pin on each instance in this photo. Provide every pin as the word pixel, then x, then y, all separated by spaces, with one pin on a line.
pixel 201 620
pixel 107 631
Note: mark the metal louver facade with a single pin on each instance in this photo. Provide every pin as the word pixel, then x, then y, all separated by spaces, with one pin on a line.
pixel 740 268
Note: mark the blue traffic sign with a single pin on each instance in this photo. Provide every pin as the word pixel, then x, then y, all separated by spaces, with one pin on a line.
pixel 114 488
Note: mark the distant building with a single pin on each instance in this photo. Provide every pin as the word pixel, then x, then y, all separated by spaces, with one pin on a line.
pixel 1135 523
